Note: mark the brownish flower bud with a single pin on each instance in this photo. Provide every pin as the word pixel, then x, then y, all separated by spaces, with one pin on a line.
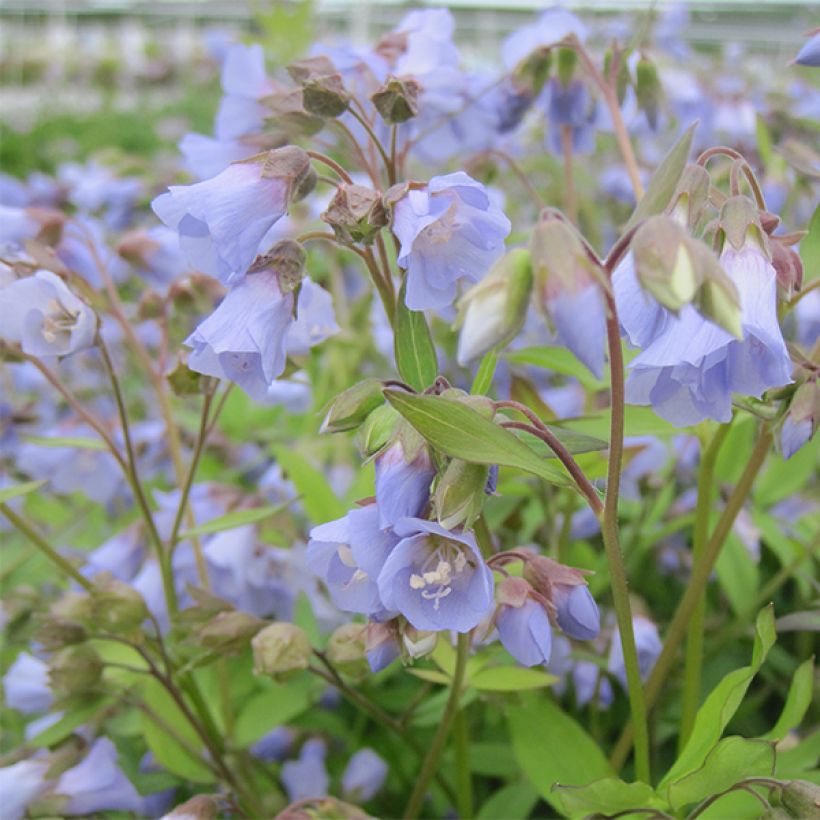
pixel 356 214
pixel 397 100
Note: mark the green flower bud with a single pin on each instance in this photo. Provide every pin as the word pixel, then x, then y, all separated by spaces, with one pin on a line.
pixel 346 649
pixel 378 428
pixel 567 60
pixel 356 214
pixel 75 670
pixel 739 223
pixel 494 310
pixel 116 606
pixel 323 92
pixel 289 116
pixel 718 298
pixel 65 624
pixel 228 632
pixel 623 79
pixel 200 807
pixel 280 648
pixel 663 262
pixel 287 257
pixel 459 495
pixel 397 100
pixel 532 73
pixel 352 407
pixel 184 381
pixel 691 196
pixel 648 90
pixel 801 798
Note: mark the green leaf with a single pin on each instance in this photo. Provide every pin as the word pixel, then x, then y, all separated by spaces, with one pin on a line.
pixel 73 719
pixel 172 743
pixel 234 519
pixel 483 380
pixel 732 760
pixel 510 679
pixel 795 761
pixel 607 796
pixel 431 675
pixel 559 360
pixel 638 421
pixel 513 802
pixel 72 442
pixel 552 748
pixel 721 704
pixel 797 701
pixel 576 443
pixel 7 493
pixel 459 431
pixel 274 707
pixel 413 347
pixel 810 248
pixel 318 498
pixel 664 181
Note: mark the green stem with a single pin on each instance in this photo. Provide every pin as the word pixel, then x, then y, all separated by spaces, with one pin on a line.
pixel 330 163
pixel 66 566
pixel 693 664
pixel 136 485
pixel 609 531
pixel 697 583
pixel 428 767
pixel 464 781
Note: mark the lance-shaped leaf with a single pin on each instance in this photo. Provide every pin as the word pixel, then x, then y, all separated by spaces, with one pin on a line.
pixel 414 349
pixel 234 519
pixel 606 796
pixel 661 189
pixel 459 431
pixel 7 493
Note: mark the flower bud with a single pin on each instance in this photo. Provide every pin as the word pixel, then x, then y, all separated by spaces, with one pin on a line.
pixel 65 623
pixel 350 408
pixel 75 670
pixel 324 807
pixel 381 644
pixel 199 807
pixel 663 262
pixel 622 79
pixel 293 165
pixel 356 214
pixel 648 90
pixel 691 196
pixel 567 60
pixel 459 495
pixel 417 643
pixel 494 310
pixel 378 429
pixel 182 380
pixel 801 798
pixel 789 268
pixel 740 224
pixel 718 298
pixel 116 606
pixel 287 257
pixel 397 100
pixel 151 306
pixel 289 114
pixel 280 648
pixel 559 260
pixel 801 421
pixel 228 632
pixel 346 649
pixel 532 73
pixel 323 91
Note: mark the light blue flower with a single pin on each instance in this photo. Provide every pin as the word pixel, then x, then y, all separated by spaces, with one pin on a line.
pixel 525 632
pixel 579 317
pixel 576 611
pixel 26 686
pixel 402 483
pixel 690 370
pixel 554 25
pixel 435 578
pixel 648 644
pixel 570 105
pixel 98 784
pixel 222 221
pixel 364 776
pixel 307 777
pixel 44 317
pixel 245 83
pixel 809 54
pixel 20 784
pixel 248 337
pixel 348 554
pixel 449 231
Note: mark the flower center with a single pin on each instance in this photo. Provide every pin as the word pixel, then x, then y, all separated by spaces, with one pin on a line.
pixel 437 573
pixel 57 321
